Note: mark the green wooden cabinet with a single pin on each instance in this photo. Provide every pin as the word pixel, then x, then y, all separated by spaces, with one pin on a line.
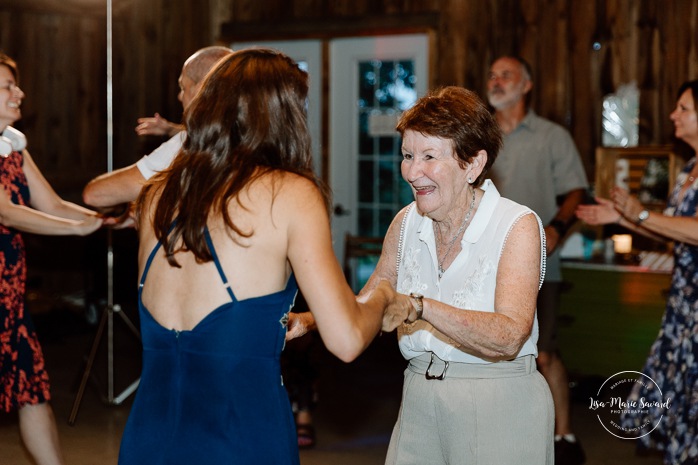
pixel 609 317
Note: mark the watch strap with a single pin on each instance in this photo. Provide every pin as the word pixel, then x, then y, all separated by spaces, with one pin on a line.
pixel 644 214
pixel 419 300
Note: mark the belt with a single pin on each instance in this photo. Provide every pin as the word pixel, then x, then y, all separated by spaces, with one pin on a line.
pixel 433 368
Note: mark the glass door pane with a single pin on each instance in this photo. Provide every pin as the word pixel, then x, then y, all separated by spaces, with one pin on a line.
pixel 373 80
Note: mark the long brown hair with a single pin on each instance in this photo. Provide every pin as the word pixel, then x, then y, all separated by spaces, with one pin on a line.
pixel 247 120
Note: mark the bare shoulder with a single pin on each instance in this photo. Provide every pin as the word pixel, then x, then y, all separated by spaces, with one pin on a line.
pixel 279 186
pixel 292 182
pixel 386 268
pixel 393 235
pixel 397 220
pixel 293 192
pixel 28 164
pixel 525 233
pixel 279 199
pixel 529 223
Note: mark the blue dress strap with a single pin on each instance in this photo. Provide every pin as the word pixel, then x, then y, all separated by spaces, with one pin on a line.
pixel 151 257
pixel 212 249
pixel 147 265
pixel 209 242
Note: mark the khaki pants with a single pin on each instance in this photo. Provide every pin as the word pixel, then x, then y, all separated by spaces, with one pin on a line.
pixel 479 414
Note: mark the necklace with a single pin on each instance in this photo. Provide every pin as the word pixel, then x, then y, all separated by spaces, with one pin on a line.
pixel 458 233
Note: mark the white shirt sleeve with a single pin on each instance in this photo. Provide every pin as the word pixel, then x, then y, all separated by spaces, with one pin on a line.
pixel 161 158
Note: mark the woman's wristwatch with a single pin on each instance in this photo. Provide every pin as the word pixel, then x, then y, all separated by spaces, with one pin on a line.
pixel 419 299
pixel 644 214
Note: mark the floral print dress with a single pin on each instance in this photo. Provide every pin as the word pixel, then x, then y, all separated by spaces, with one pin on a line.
pixel 673 358
pixel 23 378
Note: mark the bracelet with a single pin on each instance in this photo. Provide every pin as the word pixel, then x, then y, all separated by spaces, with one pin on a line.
pixel 559 226
pixel 419 299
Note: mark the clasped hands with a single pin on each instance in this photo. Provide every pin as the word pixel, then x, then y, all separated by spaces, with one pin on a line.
pixel 118 217
pixel 620 205
pixel 398 309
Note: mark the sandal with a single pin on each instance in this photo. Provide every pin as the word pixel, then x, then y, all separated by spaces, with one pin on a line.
pixel 306 436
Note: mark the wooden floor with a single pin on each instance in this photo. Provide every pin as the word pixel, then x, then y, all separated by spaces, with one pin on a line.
pixel 358 403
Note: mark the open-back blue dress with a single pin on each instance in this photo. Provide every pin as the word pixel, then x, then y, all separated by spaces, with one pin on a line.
pixel 214 394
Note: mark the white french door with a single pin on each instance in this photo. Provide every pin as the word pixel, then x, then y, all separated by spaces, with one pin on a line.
pixel 372 80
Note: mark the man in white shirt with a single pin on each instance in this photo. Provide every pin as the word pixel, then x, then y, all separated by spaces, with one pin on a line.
pixel 124 185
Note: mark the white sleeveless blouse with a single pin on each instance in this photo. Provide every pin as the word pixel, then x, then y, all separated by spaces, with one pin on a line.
pixel 468 283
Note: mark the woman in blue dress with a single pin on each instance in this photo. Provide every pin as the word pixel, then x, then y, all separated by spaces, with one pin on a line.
pixel 673 360
pixel 227 236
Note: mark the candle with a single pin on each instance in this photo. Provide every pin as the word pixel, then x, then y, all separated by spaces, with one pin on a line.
pixel 622 243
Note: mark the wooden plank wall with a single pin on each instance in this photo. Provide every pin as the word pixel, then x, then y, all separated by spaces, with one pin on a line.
pixel 60 46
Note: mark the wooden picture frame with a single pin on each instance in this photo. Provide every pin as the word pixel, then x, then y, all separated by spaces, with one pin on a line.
pixel 648 172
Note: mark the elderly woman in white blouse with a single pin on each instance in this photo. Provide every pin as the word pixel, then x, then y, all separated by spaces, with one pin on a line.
pixel 472 262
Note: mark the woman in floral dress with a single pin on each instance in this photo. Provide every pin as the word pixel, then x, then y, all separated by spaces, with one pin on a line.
pixel 24 384
pixel 673 360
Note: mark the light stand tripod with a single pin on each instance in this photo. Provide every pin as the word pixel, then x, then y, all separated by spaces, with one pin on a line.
pixel 107 318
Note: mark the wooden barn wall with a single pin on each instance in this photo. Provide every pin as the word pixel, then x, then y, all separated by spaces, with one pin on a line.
pixel 61 48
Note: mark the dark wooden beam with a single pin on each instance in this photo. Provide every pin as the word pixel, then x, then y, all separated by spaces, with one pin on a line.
pixel 330 28
pixel 66 7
